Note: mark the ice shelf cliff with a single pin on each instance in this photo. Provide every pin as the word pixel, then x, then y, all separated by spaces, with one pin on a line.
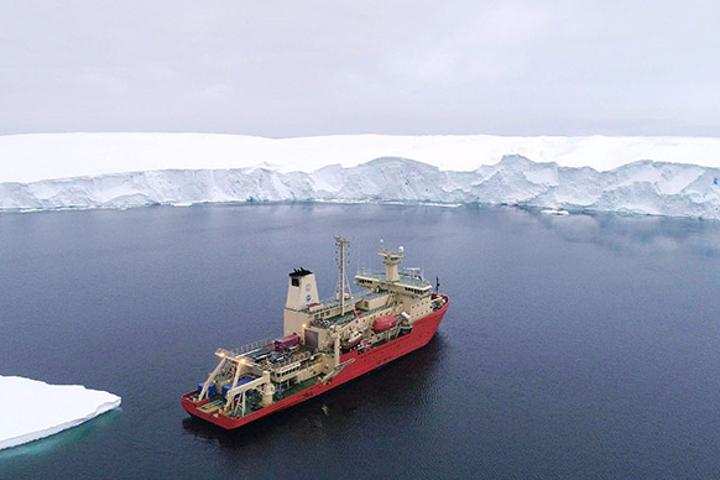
pixel 328 169
pixel 643 187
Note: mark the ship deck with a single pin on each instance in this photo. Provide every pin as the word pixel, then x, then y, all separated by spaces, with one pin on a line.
pixel 332 302
pixel 299 387
pixel 343 319
pixel 357 363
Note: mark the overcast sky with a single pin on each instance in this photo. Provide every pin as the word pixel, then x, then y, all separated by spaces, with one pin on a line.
pixel 307 67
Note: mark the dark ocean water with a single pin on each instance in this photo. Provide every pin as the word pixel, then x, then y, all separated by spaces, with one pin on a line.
pixel 574 347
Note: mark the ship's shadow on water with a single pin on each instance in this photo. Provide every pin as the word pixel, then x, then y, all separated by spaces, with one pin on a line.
pixel 392 387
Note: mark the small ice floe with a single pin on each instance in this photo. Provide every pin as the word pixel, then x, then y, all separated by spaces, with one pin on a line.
pixel 554 211
pixel 30 409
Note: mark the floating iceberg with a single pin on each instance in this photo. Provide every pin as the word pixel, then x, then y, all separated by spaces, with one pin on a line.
pixel 30 409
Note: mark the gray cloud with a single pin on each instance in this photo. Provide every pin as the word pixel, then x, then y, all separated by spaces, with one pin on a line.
pixel 318 67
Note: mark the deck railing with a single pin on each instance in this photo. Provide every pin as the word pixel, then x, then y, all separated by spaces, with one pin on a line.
pixel 247 347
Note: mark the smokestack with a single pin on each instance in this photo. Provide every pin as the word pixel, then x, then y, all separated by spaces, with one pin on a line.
pixel 302 289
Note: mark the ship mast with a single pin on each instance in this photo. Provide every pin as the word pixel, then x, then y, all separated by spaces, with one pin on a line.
pixel 391 259
pixel 343 285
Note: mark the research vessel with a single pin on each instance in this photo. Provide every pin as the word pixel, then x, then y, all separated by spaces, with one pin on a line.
pixel 325 343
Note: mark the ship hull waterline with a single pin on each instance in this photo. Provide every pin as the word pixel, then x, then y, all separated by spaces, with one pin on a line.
pixel 358 364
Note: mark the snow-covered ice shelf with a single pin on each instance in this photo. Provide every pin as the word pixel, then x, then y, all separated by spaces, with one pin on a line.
pixel 608 174
pixel 30 409
pixel 42 156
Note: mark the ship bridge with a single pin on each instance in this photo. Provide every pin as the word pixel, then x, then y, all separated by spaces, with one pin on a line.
pixel 323 324
pixel 407 283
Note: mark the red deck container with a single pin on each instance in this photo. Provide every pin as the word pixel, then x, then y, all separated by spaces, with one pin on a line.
pixel 287 342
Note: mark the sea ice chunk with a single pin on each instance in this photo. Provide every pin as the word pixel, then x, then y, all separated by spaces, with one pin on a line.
pixel 31 409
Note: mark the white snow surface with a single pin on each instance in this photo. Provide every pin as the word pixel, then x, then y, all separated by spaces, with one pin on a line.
pixel 31 157
pixel 31 409
pixel 646 175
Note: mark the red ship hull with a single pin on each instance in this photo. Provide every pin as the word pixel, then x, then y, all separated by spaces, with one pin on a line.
pixel 361 363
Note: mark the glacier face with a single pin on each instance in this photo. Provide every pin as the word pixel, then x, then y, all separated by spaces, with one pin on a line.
pixel 46 409
pixel 642 187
